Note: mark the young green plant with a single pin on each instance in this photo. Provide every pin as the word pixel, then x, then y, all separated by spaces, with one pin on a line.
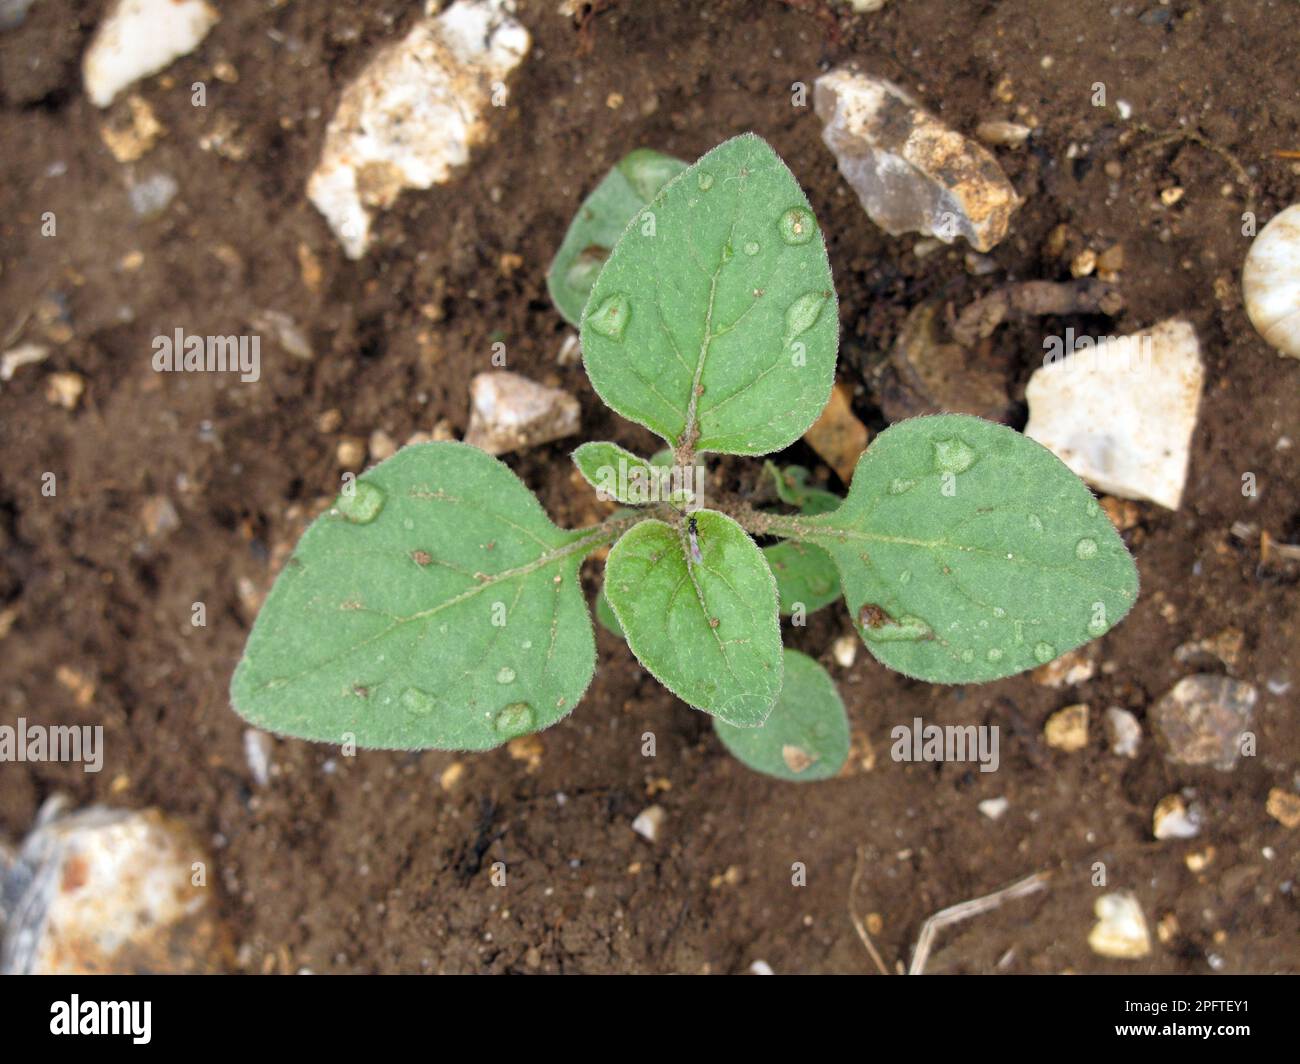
pixel 436 605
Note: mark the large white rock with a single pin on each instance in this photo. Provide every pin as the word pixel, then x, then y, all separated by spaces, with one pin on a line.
pixel 109 891
pixel 509 412
pixel 911 172
pixel 1121 413
pixel 413 114
pixel 1270 282
pixel 141 37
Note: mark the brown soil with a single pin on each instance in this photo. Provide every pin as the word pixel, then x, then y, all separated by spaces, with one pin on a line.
pixel 366 863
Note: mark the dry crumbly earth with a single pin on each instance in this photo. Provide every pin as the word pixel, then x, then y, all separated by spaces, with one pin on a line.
pixel 368 864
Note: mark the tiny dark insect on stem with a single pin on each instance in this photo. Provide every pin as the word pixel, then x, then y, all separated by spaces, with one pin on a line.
pixel 693 529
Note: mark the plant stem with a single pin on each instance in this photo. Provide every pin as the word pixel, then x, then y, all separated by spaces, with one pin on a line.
pixel 760 523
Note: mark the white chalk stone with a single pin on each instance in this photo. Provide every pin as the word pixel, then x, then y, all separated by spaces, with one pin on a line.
pixel 1174 819
pixel 912 173
pixel 258 748
pixel 1121 413
pixel 1124 732
pixel 994 808
pixel 649 822
pixel 1121 929
pixel 141 37
pixel 110 891
pixel 413 114
pixel 1270 282
pixel 509 413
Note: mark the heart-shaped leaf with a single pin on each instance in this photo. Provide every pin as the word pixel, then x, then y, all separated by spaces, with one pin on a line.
pixel 806 737
pixel 714 321
pixel 599 223
pixel 699 612
pixel 968 552
pixel 435 605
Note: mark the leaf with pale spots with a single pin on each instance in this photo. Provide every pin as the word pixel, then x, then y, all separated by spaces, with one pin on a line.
pixel 704 626
pixel 714 320
pixel 434 606
pixel 599 223
pixel 805 738
pixel 968 552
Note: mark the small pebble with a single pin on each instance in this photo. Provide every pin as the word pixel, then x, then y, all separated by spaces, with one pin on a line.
pixel 1124 732
pixel 1174 820
pixel 451 775
pixel 64 389
pixel 993 808
pixel 257 752
pixel 1067 729
pixel 845 650
pixel 351 453
pixel 22 355
pixel 1121 929
pixel 158 515
pixel 1202 719
pixel 1284 807
pixel 649 822
pixel 381 446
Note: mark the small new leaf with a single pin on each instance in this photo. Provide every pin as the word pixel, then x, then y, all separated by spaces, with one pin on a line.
pixel 436 605
pixel 714 321
pixel 619 475
pixel 599 223
pixel 968 552
pixel 806 737
pixel 792 488
pixel 705 627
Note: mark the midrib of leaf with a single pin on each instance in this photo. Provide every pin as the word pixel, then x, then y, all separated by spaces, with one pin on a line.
pixel 584 543
pixel 691 430
pixel 825 535
pixel 699 596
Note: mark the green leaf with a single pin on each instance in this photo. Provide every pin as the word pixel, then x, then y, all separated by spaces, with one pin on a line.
pixel 792 488
pixel 807 735
pixel 618 475
pixel 605 614
pixel 599 223
pixel 705 627
pixel 437 606
pixel 716 315
pixel 805 575
pixel 968 552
